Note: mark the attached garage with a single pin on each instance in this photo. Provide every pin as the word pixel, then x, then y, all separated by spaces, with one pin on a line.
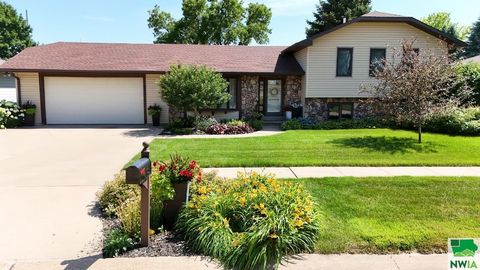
pixel 94 100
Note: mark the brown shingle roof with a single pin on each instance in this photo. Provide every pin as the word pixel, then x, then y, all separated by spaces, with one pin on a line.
pixel 380 14
pixel 155 58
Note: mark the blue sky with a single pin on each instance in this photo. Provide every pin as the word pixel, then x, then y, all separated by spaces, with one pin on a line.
pixel 125 21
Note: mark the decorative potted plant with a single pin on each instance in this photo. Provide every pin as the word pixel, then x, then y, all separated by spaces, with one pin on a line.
pixel 180 172
pixel 297 110
pixel 154 110
pixel 30 110
pixel 288 112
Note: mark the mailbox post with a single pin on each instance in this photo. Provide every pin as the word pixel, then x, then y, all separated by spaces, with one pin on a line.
pixel 139 174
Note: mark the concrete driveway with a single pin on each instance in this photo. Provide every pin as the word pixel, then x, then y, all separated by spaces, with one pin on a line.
pixel 48 180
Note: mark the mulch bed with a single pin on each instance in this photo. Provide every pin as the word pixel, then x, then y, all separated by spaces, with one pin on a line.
pixel 163 244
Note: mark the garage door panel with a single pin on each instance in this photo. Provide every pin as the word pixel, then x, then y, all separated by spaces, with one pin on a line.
pixel 71 100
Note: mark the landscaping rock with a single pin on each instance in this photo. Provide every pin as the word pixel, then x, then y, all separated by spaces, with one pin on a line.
pixel 163 244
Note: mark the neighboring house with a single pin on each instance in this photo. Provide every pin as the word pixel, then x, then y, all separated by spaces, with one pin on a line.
pixel 96 83
pixel 475 59
pixel 8 88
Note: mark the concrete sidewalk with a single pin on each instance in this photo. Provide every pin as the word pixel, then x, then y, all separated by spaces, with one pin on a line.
pixel 314 172
pixel 305 262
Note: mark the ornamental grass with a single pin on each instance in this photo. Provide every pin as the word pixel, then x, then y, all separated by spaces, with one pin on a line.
pixel 252 222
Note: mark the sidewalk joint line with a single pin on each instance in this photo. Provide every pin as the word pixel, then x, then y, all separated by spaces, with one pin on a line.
pixel 394 261
pixel 290 168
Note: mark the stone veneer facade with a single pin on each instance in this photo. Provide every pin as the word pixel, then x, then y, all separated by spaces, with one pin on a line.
pixel 249 87
pixel 249 95
pixel 317 108
pixel 293 90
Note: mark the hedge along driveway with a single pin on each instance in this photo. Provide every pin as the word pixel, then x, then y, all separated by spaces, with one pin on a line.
pixel 360 147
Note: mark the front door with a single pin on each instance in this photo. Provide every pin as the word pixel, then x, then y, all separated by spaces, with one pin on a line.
pixel 271 96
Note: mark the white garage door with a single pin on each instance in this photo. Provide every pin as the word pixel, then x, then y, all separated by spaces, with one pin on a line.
pixel 71 100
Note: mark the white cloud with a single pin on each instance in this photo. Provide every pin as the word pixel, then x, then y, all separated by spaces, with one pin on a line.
pixel 98 18
pixel 289 7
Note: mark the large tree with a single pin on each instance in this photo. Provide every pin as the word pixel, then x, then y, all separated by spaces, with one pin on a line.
pixel 412 86
pixel 330 13
pixel 473 47
pixel 443 22
pixel 15 33
pixel 220 22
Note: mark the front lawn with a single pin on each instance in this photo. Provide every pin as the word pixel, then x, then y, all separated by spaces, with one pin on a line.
pixel 359 147
pixel 390 214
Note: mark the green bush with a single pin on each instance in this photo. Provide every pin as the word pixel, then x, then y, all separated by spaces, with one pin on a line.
pixel 204 122
pixel 307 123
pixel 11 115
pixel 114 193
pixel 161 190
pixel 252 222
pixel 256 124
pixel 129 215
pixel 470 73
pixel 458 122
pixel 291 124
pixel 116 243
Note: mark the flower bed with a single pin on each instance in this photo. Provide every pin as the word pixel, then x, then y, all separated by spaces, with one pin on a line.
pixel 252 222
pixel 209 125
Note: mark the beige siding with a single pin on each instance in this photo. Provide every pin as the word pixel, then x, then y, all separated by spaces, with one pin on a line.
pixel 321 78
pixel 302 58
pixel 153 96
pixel 30 90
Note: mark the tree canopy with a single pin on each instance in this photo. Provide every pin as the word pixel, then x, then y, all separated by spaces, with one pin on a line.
pixel 219 22
pixel 15 33
pixel 443 22
pixel 193 88
pixel 473 41
pixel 417 86
pixel 330 13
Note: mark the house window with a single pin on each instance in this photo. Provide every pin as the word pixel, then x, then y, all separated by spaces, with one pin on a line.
pixel 377 58
pixel 232 90
pixel 344 62
pixel 340 111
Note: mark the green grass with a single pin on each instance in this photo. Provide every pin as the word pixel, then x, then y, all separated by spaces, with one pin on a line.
pixel 359 147
pixel 392 214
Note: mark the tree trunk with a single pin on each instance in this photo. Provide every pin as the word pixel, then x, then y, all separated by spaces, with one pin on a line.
pixel 185 113
pixel 419 133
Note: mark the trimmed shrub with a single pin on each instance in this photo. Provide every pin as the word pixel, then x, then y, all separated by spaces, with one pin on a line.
pixel 252 222
pixel 292 124
pixel 114 193
pixel 11 115
pixel 116 243
pixel 308 123
pixel 256 124
pixel 204 122
pixel 255 120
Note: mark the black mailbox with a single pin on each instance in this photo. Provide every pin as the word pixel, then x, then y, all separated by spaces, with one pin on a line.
pixel 139 171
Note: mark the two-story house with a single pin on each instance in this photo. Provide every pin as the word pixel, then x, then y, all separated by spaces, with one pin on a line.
pixel 98 83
